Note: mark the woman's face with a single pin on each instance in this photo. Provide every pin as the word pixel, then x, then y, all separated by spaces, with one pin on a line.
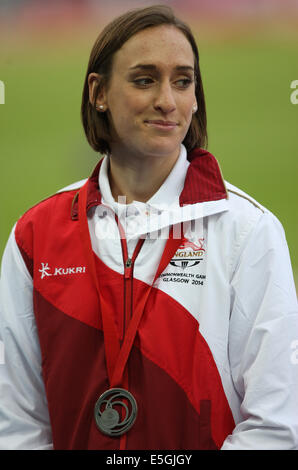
pixel 151 93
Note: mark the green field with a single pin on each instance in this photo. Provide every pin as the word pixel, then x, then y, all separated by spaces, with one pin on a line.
pixel 253 126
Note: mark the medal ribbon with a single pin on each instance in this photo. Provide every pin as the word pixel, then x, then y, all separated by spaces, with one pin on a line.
pixel 117 357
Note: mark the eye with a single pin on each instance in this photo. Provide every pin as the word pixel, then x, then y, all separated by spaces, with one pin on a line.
pixel 143 82
pixel 183 82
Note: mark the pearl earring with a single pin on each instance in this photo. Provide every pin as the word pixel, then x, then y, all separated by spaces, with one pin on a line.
pixel 194 108
pixel 101 107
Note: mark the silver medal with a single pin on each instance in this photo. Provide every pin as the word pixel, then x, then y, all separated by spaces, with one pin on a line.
pixel 108 420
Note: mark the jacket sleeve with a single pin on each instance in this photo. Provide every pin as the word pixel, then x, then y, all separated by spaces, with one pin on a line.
pixel 24 419
pixel 263 342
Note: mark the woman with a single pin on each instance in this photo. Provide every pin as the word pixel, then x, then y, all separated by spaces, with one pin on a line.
pixel 151 306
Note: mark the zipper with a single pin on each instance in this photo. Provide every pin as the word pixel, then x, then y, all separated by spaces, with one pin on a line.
pixel 128 284
pixel 128 281
pixel 128 300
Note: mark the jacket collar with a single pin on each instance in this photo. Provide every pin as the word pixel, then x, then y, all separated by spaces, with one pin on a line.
pixel 203 183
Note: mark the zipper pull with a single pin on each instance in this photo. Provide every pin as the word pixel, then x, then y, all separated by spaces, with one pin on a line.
pixel 128 268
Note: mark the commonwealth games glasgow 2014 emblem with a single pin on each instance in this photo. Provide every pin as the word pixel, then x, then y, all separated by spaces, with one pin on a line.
pixel 189 254
pixel 110 421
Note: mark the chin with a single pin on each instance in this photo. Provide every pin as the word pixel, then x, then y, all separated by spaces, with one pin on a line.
pixel 161 148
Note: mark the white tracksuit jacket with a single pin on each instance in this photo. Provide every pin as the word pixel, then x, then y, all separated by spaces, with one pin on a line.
pixel 234 277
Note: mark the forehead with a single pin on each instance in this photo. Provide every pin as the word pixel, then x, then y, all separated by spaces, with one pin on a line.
pixel 160 45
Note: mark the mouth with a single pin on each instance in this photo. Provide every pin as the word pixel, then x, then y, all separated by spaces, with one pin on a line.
pixel 161 124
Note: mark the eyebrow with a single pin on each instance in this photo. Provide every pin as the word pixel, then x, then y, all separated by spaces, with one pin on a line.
pixel 153 67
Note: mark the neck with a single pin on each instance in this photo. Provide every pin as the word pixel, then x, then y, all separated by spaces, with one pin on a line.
pixel 138 179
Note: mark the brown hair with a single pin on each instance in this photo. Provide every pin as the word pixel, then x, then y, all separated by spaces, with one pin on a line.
pixel 110 40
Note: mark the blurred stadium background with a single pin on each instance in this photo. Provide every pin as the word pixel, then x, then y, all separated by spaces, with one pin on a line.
pixel 249 57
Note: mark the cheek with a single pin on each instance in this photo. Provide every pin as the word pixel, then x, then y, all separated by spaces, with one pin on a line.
pixel 135 104
pixel 127 110
pixel 185 106
pixel 188 114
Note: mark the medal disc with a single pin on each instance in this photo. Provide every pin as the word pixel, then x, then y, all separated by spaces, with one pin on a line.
pixel 112 421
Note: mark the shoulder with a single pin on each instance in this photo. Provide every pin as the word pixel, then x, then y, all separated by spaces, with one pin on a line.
pixel 246 208
pixel 51 210
pixel 247 221
pixel 72 187
pixel 241 200
pixel 62 196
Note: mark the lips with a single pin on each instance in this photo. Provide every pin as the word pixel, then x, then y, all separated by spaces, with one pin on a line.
pixel 159 123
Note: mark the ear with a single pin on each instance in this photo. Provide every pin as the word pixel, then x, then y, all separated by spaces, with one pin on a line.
pixel 96 87
pixel 195 107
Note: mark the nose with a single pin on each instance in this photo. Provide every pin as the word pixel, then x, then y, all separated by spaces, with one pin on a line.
pixel 165 100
